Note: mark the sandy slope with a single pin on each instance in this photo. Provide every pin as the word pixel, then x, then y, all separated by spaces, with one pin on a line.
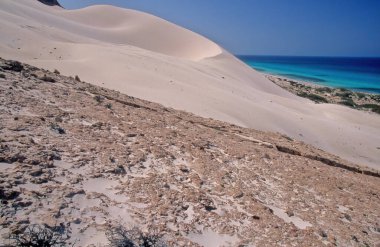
pixel 150 58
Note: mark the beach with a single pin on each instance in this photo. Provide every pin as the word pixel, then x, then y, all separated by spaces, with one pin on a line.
pixel 329 95
pixel 359 74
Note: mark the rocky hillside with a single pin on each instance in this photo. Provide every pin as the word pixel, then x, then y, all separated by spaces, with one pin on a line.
pixel 88 159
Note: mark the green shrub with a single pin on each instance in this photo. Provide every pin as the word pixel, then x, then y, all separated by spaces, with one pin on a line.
pixel 324 90
pixel 344 95
pixel 376 97
pixel 373 107
pixel 314 97
pixel 348 102
pixel 360 95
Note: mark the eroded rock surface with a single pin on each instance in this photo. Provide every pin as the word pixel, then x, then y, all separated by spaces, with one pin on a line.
pixel 88 158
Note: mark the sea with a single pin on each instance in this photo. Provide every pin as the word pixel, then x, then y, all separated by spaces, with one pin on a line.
pixel 357 74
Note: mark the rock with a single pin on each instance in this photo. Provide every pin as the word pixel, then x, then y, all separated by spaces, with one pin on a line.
pixel 75 192
pixel 8 195
pixel 184 169
pixel 22 204
pixel 50 3
pixel 322 233
pixel 347 217
pixel 120 170
pixel 13 66
pixel 238 195
pixel 77 221
pixel 47 78
pixel 58 129
pixel 290 213
pixel 36 172
pixel 43 77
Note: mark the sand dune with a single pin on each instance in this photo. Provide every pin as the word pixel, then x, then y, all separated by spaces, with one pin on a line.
pixel 147 57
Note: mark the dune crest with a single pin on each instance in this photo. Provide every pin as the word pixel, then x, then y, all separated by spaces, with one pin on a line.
pixel 147 57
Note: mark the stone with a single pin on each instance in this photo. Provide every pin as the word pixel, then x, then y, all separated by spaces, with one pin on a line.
pixel 13 66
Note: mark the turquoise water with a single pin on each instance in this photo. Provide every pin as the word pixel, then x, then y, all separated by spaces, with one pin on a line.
pixel 358 74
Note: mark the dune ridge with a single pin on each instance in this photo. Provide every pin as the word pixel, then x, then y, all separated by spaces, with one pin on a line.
pixel 150 58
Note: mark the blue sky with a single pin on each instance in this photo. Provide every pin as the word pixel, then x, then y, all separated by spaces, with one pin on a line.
pixel 271 27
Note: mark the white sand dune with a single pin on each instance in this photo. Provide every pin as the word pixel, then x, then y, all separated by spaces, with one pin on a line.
pixel 150 58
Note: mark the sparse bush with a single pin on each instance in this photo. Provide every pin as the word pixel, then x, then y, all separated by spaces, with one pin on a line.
pixel 39 236
pixel 348 102
pixel 109 106
pixel 121 237
pixel 293 83
pixel 313 97
pixel 376 97
pixel 345 95
pixel 343 89
pixel 361 95
pixel 324 90
pixel 373 107
pixel 56 72
pixel 77 78
pixel 2 76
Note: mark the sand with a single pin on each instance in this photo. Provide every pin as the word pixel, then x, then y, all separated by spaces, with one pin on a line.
pixel 150 58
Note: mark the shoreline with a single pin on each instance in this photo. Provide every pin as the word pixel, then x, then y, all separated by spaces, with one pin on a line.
pixel 368 102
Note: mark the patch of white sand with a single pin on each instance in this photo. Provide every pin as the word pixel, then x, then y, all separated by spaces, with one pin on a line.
pixel 104 186
pixel 5 166
pixel 209 238
pixel 298 222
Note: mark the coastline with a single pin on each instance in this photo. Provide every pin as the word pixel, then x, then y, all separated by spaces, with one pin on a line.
pixel 323 94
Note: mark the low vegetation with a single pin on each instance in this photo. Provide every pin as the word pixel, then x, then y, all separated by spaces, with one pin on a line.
pixel 119 236
pixel 122 237
pixel 373 107
pixel 341 96
pixel 314 97
pixel 40 236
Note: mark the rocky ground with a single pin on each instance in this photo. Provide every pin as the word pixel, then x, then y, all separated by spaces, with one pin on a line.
pixel 319 94
pixel 89 159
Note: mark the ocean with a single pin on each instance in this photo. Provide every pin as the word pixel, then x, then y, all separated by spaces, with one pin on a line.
pixel 357 74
